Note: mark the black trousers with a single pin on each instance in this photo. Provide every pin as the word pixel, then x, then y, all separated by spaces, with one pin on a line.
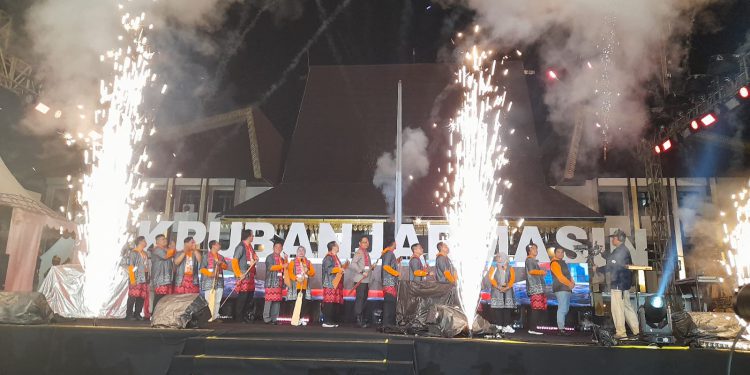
pixel 537 318
pixel 332 312
pixel 361 299
pixel 134 307
pixel 242 305
pixel 503 317
pixel 389 310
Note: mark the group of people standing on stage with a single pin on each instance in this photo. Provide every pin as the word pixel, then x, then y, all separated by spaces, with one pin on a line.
pixel 502 277
pixel 168 271
pixel 362 268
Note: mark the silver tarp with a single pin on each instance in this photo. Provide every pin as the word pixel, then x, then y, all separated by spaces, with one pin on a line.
pixel 724 325
pixel 63 288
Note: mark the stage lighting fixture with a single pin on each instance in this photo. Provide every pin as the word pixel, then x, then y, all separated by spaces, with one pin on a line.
pixel 41 108
pixel 708 120
pixel 742 303
pixel 666 145
pixel 551 75
pixel 694 126
pixel 655 311
pixel 744 92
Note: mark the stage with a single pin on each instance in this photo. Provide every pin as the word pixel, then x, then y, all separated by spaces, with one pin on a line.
pixel 124 347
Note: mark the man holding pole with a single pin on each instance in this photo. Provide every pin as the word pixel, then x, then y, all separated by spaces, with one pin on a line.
pixel 212 280
pixel 162 269
pixel 138 270
pixel 361 268
pixel 333 285
pixel 186 261
pixel 243 265
pixel 299 273
pixel 418 269
pixel 389 274
pixel 274 284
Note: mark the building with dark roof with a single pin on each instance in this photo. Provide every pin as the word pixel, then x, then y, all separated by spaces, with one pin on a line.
pixel 347 120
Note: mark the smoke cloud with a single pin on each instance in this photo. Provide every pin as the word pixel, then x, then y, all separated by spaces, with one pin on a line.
pixel 607 56
pixel 415 165
pixel 67 38
pixel 705 239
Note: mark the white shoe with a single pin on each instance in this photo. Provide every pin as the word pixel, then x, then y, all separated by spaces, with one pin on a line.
pixel 326 325
pixel 532 332
pixel 508 329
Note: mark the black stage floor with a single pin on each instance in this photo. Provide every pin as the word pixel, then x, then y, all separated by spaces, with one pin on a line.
pixel 123 347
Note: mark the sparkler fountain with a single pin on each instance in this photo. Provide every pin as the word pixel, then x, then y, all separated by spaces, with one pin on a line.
pixel 477 155
pixel 112 190
pixel 737 261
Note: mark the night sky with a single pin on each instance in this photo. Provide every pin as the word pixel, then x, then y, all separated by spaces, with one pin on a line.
pixel 365 32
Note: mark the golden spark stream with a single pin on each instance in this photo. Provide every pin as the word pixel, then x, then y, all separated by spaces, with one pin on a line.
pixel 737 260
pixel 112 191
pixel 477 155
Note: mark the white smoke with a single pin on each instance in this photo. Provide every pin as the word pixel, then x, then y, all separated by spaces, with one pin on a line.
pixel 704 239
pixel 67 38
pixel 607 54
pixel 415 165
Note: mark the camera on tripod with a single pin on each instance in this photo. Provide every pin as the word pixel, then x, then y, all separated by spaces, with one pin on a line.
pixel 590 251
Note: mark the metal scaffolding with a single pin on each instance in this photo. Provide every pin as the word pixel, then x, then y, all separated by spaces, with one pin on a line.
pixel 658 207
pixel 15 74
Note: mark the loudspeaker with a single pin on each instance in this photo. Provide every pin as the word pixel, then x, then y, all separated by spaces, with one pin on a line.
pixel 24 308
pixel 181 311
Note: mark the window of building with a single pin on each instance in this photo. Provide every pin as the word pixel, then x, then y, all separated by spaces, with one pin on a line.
pixel 222 200
pixel 611 203
pixel 156 200
pixel 188 200
pixel 643 202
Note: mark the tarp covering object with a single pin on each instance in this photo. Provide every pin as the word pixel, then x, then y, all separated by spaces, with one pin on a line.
pixel 24 308
pixel 451 322
pixel 415 308
pixel 432 309
pixel 63 288
pixel 720 324
pixel 180 311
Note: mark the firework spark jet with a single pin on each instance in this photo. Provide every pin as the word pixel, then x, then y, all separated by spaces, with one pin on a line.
pixel 477 155
pixel 112 190
pixel 737 260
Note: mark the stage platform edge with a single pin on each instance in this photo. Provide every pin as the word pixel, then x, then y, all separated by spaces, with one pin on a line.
pixel 115 347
